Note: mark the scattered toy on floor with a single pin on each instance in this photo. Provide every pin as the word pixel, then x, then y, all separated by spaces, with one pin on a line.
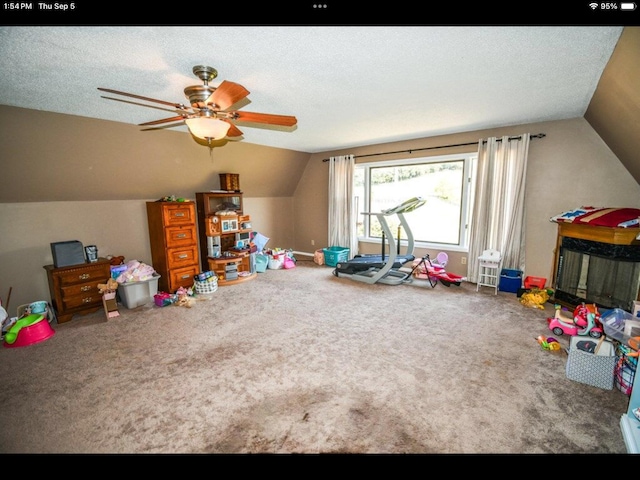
pixel 185 298
pixel 109 302
pixel 111 285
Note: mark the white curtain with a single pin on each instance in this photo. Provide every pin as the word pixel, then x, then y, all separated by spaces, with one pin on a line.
pixel 342 218
pixel 498 208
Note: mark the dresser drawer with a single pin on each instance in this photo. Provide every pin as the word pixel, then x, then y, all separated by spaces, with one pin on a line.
pixel 82 301
pixel 84 274
pixel 179 214
pixel 182 277
pixel 181 236
pixel 81 289
pixel 182 257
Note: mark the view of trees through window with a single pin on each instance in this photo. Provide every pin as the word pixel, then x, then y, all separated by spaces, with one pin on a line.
pixel 441 220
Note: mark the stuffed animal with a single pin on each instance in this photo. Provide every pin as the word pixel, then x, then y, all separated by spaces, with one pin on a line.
pixel 110 286
pixel 115 261
pixel 184 297
pixel 184 301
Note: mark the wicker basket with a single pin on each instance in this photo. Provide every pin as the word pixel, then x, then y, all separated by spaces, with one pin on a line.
pixel 208 285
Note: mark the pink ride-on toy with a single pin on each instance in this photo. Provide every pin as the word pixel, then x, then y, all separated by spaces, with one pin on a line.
pixel 585 322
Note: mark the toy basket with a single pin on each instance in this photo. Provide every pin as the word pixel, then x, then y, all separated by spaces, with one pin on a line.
pixel 595 368
pixel 335 255
pixel 206 282
pixel 47 311
pixel 625 369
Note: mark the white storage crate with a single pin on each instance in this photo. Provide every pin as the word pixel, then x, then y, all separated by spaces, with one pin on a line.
pixel 136 294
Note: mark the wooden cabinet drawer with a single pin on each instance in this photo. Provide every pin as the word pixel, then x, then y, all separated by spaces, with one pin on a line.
pixel 179 214
pixel 81 289
pixel 182 277
pixel 84 275
pixel 181 236
pixel 182 257
pixel 83 301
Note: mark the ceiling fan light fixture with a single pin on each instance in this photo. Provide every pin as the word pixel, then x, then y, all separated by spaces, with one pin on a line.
pixel 207 128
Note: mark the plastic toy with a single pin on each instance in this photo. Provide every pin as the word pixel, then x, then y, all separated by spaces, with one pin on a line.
pixel 426 269
pixel 549 343
pixel 33 328
pixel 585 322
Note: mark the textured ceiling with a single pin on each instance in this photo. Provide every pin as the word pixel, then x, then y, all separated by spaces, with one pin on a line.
pixel 347 86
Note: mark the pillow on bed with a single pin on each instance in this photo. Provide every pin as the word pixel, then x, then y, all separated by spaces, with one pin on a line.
pixel 602 217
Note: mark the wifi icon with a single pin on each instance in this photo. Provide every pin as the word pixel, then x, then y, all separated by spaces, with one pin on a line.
pixel 593 5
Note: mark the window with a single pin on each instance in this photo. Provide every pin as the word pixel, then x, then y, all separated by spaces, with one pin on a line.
pixel 445 182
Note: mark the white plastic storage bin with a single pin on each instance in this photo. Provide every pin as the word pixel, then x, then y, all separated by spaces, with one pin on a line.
pixel 620 325
pixel 136 294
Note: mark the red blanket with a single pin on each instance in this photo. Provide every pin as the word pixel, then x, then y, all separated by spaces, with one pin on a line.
pixel 602 217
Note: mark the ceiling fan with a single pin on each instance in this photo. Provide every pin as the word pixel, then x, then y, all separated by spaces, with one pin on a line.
pixel 208 115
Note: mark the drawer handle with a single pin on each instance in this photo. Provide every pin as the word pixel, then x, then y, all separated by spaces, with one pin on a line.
pixel 84 276
pixel 181 235
pixel 184 255
pixel 184 277
pixel 179 214
pixel 87 300
pixel 86 288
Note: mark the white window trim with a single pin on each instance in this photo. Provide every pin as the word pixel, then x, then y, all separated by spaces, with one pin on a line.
pixel 470 160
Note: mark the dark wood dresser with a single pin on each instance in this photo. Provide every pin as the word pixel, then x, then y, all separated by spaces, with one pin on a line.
pixel 74 289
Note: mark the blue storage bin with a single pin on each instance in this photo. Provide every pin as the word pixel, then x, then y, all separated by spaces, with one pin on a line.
pixel 510 280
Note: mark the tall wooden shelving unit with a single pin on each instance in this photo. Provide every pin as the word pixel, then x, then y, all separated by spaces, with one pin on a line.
pixel 232 266
pixel 174 248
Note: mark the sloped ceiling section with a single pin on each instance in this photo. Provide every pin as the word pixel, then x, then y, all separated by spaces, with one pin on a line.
pixel 614 111
pixel 347 86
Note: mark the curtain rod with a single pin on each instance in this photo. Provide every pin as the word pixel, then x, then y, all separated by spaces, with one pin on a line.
pixel 539 135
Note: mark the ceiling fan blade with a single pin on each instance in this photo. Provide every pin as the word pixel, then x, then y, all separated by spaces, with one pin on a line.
pixel 233 130
pixel 144 105
pixel 164 120
pixel 284 120
pixel 148 99
pixel 227 94
pixel 162 127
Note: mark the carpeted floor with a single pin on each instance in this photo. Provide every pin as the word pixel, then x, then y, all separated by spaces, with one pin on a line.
pixel 300 361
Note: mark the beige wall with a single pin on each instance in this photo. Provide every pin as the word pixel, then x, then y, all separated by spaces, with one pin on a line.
pixel 65 178
pixel 72 158
pixel 570 167
pixel 116 227
pixel 73 178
